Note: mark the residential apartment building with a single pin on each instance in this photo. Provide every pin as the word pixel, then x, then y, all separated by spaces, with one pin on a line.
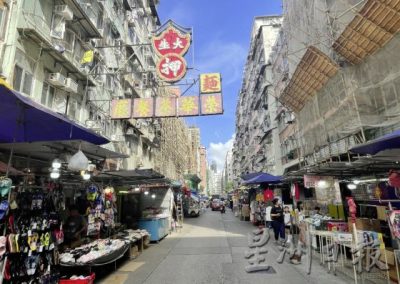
pixel 203 169
pixel 42 44
pixel 256 147
pixel 227 172
pixel 194 156
pixel 336 78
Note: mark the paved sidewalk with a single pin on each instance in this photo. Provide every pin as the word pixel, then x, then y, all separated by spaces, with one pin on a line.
pixel 210 249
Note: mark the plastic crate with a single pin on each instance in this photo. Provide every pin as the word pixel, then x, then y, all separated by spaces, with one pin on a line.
pixel 89 280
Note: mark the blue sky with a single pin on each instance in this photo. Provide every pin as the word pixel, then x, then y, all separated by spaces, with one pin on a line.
pixel 221 38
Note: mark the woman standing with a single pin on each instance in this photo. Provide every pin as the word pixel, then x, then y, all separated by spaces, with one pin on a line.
pixel 278 220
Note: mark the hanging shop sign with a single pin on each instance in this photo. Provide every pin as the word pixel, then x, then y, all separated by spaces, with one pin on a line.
pixel 143 108
pixel 121 109
pixel 171 43
pixel 210 83
pixel 171 67
pixel 211 104
pixel 165 106
pixel 188 106
pixel 174 39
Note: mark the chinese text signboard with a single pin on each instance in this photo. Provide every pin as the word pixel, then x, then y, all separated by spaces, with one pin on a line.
pixel 211 104
pixel 171 67
pixel 121 109
pixel 143 108
pixel 165 107
pixel 171 44
pixel 188 106
pixel 210 83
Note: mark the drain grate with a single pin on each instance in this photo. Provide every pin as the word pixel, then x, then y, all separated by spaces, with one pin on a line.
pixel 271 270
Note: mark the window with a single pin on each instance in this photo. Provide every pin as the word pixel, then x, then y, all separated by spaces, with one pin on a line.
pixel 47 95
pixel 3 21
pixel 23 80
pixel 72 108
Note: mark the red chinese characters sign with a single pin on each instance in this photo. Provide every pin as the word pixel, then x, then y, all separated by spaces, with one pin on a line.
pixel 171 41
pixel 171 44
pixel 211 104
pixel 171 68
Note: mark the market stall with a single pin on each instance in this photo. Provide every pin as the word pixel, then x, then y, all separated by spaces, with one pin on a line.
pixel 148 207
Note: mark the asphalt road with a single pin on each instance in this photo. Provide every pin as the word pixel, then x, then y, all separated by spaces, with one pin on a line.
pixel 210 249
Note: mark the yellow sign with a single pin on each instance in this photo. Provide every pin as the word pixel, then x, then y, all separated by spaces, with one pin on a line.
pixel 121 109
pixel 87 57
pixel 5 84
pixel 210 83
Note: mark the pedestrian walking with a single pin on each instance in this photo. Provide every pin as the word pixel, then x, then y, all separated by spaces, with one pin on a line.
pixel 278 220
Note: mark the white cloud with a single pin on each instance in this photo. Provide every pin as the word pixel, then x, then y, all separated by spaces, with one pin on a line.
pixel 217 152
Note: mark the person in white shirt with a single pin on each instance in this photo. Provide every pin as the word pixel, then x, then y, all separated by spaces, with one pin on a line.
pixel 287 219
pixel 268 219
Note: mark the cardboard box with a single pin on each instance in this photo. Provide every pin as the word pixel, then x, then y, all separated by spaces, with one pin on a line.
pixel 389 256
pixel 134 251
pixel 365 224
pixel 337 226
pixel 393 273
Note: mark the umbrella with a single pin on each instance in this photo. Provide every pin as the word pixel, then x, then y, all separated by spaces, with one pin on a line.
pixel 388 141
pixel 23 120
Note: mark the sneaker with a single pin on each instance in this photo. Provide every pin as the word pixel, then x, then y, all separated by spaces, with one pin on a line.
pixel 294 261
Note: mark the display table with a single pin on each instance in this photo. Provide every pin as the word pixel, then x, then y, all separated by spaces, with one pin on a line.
pixel 157 227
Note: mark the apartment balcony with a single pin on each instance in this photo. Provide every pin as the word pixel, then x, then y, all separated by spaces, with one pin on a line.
pixel 88 13
pixel 37 29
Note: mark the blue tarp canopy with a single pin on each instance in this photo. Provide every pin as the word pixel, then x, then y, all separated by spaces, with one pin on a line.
pixel 250 176
pixel 263 178
pixel 23 120
pixel 194 196
pixel 386 142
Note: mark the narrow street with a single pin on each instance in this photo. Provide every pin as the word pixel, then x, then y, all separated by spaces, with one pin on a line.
pixel 210 249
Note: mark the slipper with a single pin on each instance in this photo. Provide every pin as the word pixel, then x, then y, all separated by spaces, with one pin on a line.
pixel 32 241
pixel 5 186
pixel 3 209
pixel 31 264
pixel 3 245
pixel 17 243
pixel 11 243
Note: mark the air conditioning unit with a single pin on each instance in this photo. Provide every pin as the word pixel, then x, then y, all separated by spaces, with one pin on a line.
pixel 71 86
pixel 56 79
pixel 289 118
pixel 140 12
pixel 64 11
pixel 94 125
pixel 130 132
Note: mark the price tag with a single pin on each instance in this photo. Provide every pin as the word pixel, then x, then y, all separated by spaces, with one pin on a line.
pixel 29 233
pixel 41 248
pixel 34 226
pixel 30 253
pixel 51 246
